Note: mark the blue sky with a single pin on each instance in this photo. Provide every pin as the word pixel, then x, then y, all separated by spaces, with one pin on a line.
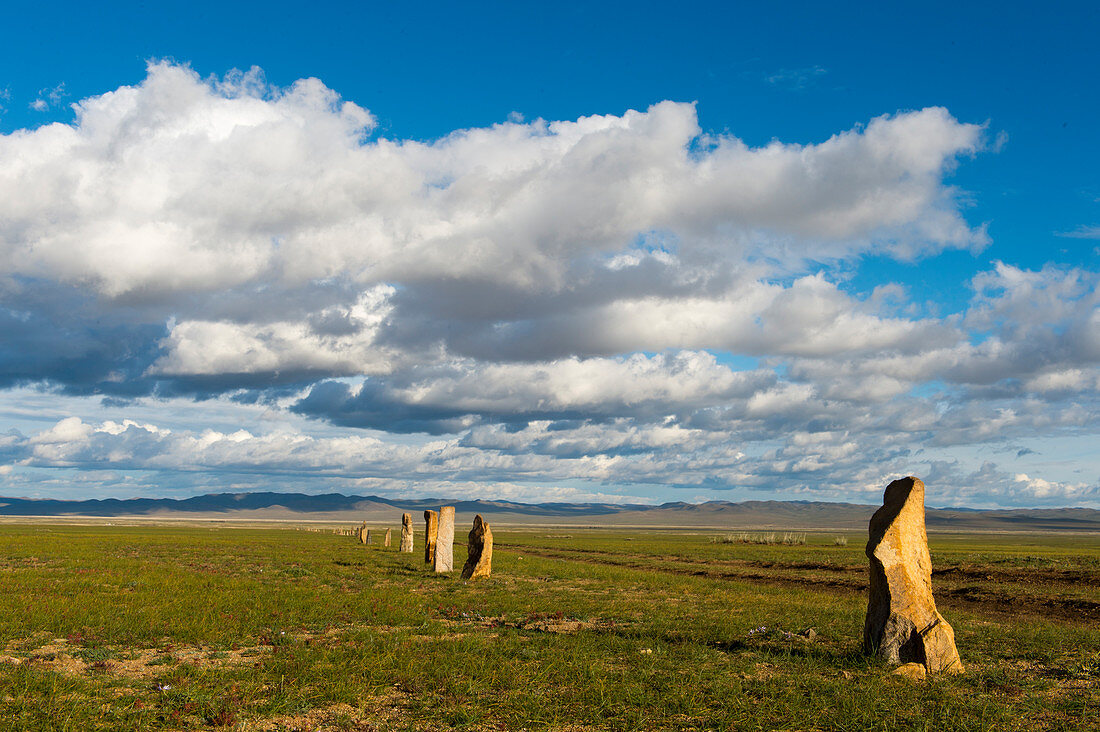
pixel 864 243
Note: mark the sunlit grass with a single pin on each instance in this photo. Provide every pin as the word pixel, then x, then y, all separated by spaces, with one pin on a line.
pixel 192 627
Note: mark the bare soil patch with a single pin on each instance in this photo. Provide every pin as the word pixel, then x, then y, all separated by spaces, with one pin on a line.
pixel 73 659
pixel 376 714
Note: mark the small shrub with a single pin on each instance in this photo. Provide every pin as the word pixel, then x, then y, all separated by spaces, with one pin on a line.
pixel 840 541
pixel 96 655
pixel 789 538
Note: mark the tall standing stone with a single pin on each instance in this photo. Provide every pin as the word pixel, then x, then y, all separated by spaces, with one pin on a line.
pixel 386 538
pixel 903 625
pixel 479 550
pixel 431 529
pixel 367 540
pixel 363 533
pixel 406 532
pixel 444 540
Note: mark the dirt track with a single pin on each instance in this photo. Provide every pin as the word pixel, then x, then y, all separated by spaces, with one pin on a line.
pixel 973 596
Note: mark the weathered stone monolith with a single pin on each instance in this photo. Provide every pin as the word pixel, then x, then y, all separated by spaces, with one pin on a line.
pixel 386 538
pixel 444 540
pixel 362 532
pixel 368 539
pixel 479 550
pixel 903 625
pixel 406 533
pixel 431 529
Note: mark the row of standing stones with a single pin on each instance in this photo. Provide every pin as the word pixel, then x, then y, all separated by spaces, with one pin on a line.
pixel 439 532
pixel 902 626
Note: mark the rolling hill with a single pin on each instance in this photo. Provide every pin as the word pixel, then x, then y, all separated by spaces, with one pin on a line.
pixel 335 507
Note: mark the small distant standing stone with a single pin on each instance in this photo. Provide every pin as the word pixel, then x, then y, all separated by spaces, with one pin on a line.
pixel 386 538
pixel 406 532
pixel 431 529
pixel 444 540
pixel 479 551
pixel 903 625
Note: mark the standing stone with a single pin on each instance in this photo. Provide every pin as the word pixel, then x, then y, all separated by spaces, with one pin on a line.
pixel 479 550
pixel 444 540
pixel 431 529
pixel 903 625
pixel 406 532
pixel 363 533
pixel 386 539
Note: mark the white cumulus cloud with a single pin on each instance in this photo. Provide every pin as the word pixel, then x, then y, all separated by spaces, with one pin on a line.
pixel 623 299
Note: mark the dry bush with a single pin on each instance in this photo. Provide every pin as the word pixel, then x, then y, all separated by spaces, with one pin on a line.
pixel 770 538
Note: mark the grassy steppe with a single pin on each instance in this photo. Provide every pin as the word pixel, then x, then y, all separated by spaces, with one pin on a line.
pixel 109 627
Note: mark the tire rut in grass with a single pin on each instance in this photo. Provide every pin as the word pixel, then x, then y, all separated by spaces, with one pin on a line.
pixel 983 600
pixel 1024 575
pixel 756 563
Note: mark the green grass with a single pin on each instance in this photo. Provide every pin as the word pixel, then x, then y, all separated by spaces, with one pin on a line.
pixel 109 627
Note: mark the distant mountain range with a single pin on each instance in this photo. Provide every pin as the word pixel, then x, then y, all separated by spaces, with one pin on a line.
pixel 334 507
